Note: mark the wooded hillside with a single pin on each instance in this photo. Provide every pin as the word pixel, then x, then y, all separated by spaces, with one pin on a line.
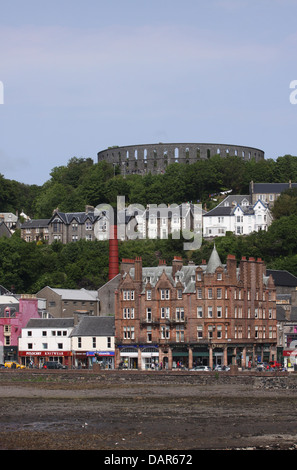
pixel 30 266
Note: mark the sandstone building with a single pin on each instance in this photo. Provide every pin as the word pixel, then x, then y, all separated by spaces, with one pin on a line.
pixel 195 315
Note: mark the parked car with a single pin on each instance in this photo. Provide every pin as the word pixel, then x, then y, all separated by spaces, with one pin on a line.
pixel 219 368
pixel 52 365
pixel 262 366
pixel 13 365
pixel 201 368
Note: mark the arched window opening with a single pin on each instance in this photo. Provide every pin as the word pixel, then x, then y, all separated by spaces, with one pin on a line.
pixel 176 155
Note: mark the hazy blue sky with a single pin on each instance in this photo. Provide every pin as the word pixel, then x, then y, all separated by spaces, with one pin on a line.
pixel 80 76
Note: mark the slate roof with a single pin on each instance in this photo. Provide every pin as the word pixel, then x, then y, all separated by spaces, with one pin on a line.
pixel 8 217
pixel 80 217
pixel 76 294
pixel 214 261
pixel 50 323
pixel 293 316
pixel 35 223
pixel 186 275
pixel 4 230
pixel 93 216
pixel 282 278
pixel 233 201
pixel 264 188
pixel 95 326
pixel 280 313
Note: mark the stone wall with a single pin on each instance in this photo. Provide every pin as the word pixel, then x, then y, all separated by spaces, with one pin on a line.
pixel 154 158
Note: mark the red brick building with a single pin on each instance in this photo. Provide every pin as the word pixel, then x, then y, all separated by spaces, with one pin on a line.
pixel 195 315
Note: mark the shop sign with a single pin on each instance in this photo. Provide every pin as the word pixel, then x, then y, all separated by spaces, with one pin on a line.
pixel 45 353
pixel 290 352
pixel 100 353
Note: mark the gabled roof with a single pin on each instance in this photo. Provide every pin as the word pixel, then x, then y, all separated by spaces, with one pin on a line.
pixel 3 290
pixel 4 230
pixel 8 217
pixel 80 217
pixel 229 204
pixel 95 326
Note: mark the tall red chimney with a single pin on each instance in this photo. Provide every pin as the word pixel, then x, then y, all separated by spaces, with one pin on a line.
pixel 113 246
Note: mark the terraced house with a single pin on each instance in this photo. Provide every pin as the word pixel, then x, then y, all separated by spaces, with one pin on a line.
pixel 69 227
pixel 209 314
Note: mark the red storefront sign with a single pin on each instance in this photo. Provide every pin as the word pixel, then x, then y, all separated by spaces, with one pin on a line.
pixel 290 352
pixel 45 353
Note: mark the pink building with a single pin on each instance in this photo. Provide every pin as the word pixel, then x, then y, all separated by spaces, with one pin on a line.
pixel 14 315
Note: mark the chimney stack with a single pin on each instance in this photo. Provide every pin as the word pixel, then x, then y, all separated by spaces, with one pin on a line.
pixel 138 269
pixel 177 264
pixel 231 268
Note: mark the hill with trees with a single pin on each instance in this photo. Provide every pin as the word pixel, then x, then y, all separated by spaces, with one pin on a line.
pixel 27 267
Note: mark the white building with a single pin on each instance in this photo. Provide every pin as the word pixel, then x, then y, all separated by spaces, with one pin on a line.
pixel 46 339
pixel 93 342
pixel 238 215
pixel 160 222
pixel 59 339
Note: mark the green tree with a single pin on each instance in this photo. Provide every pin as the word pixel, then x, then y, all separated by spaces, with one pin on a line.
pixel 286 204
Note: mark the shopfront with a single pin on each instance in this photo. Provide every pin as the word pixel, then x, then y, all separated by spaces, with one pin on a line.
pixel 180 358
pixel 38 358
pixel 86 359
pixel 104 358
pixel 150 358
pixel 290 359
pixel 128 358
pixel 200 356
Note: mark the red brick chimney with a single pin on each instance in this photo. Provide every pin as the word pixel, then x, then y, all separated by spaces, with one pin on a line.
pixel 243 269
pixel 231 268
pixel 177 264
pixel 138 269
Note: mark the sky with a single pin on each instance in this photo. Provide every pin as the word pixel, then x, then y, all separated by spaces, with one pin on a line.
pixel 79 76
